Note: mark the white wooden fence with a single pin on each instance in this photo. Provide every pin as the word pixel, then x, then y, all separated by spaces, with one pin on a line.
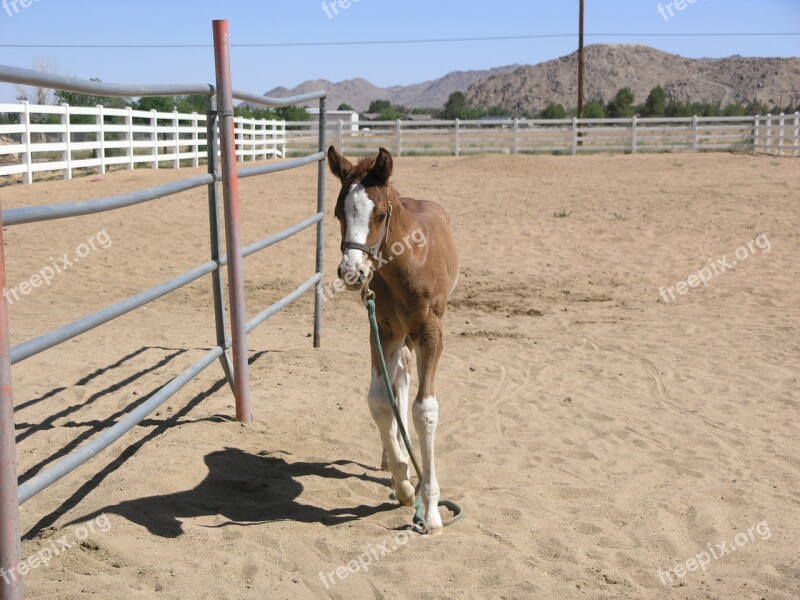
pixel 128 137
pixel 779 135
pixel 119 136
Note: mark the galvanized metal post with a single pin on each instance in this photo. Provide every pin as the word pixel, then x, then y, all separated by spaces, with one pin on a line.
pixel 230 192
pixel 10 579
pixel 323 127
pixel 212 147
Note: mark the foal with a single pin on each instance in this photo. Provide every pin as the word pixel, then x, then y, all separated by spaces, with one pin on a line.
pixel 407 249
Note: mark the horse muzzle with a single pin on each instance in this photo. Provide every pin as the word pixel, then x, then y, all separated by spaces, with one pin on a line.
pixel 355 277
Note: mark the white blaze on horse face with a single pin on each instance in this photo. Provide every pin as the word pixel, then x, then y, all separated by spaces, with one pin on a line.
pixel 357 213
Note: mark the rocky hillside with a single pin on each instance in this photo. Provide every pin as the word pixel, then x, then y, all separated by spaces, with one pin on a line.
pixel 358 93
pixel 611 67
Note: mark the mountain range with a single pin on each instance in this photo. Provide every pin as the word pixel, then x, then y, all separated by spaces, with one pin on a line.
pixel 609 67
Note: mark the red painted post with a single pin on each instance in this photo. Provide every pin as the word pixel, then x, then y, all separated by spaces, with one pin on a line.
pixel 10 579
pixel 230 194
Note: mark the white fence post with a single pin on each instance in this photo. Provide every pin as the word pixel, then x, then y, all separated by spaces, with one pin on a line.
pixel 154 125
pixel 399 151
pixel 195 140
pixel 634 140
pixel 768 146
pixel 101 139
pixel 26 139
pixel 257 138
pixel 756 132
pixel 574 136
pixel 262 130
pixel 129 136
pixel 516 136
pixel 340 131
pixel 177 140
pixel 796 136
pixel 458 137
pixel 781 124
pixel 694 133
pixel 67 142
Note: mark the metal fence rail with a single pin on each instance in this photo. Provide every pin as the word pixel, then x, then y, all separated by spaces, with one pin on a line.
pixel 222 172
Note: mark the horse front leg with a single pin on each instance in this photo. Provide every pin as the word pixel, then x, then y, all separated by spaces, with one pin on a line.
pixel 402 383
pixel 426 416
pixel 381 409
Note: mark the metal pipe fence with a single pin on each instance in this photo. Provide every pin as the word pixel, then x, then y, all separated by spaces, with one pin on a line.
pixel 222 174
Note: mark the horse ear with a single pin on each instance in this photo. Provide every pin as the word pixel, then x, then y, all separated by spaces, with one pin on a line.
pixel 339 165
pixel 382 169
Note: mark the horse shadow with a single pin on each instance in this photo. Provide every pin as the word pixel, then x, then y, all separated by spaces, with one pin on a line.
pixel 245 489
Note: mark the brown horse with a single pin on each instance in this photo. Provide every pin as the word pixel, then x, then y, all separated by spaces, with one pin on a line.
pixel 407 249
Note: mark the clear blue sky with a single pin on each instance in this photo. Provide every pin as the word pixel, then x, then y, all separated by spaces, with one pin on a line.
pixel 269 21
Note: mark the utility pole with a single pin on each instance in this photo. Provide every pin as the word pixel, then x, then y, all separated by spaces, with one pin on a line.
pixel 580 64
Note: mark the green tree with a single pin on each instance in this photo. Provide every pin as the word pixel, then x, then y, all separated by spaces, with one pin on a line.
pixel 378 106
pixel 293 113
pixel 190 104
pixel 345 106
pixel 621 106
pixel 734 110
pixel 594 110
pixel 254 112
pixel 74 99
pixel 676 109
pixel 707 110
pixel 553 111
pixel 456 106
pixel 159 103
pixel 499 111
pixel 656 103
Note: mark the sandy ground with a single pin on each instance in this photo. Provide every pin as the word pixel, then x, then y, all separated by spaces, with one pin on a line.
pixel 595 434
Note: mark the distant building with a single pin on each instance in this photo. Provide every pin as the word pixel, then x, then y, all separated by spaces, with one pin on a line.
pixel 349 118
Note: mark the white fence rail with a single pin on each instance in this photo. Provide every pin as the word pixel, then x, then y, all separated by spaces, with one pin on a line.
pixel 771 134
pixel 100 137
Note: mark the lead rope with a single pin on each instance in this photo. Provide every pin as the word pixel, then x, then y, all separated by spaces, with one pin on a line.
pixel 368 298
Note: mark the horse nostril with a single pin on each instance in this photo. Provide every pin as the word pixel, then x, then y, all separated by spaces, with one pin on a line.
pixel 339 272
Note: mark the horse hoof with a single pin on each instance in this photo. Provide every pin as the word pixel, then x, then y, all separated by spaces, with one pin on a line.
pixel 405 493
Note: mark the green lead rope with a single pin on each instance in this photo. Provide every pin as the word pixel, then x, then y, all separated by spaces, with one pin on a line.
pixel 419 516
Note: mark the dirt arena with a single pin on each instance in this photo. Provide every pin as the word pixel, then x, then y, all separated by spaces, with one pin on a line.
pixel 606 439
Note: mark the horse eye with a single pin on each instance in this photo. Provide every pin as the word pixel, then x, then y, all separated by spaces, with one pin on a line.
pixel 381 217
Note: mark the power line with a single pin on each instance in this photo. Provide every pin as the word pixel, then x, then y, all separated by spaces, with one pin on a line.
pixel 398 42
